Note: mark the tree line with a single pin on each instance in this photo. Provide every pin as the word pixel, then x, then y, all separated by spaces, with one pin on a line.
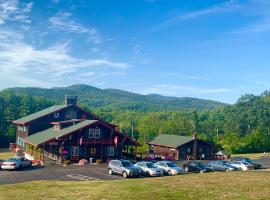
pixel 239 128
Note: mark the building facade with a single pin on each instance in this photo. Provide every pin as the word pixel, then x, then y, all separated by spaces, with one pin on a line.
pixel 180 148
pixel 68 132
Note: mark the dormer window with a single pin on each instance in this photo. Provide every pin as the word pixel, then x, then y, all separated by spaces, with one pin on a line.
pixel 94 133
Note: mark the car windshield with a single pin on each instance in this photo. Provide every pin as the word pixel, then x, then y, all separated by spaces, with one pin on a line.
pixel 171 165
pixel 248 160
pixel 245 163
pixel 13 159
pixel 126 164
pixel 150 165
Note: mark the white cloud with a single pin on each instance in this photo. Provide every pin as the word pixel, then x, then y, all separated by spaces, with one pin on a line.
pixel 13 10
pixel 26 64
pixel 228 6
pixel 260 10
pixel 63 21
pixel 176 90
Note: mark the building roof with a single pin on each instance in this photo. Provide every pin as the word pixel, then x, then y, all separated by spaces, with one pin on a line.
pixel 170 140
pixel 39 114
pixel 222 153
pixel 51 133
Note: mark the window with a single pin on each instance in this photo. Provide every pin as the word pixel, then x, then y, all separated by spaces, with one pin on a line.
pixel 91 133
pixel 94 133
pixel 24 128
pixel 110 151
pixel 116 163
pixel 75 151
pixel 97 133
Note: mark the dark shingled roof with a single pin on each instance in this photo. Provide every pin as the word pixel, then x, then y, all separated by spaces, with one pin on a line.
pixel 39 114
pixel 170 140
pixel 49 134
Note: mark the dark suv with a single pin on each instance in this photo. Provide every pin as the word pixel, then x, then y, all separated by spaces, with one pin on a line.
pixel 124 168
pixel 197 167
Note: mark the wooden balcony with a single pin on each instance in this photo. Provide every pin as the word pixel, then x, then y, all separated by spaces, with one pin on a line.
pixel 96 141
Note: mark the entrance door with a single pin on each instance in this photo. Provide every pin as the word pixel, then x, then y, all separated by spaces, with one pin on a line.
pixel 75 153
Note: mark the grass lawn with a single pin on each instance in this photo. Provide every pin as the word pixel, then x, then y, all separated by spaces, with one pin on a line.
pixel 239 185
pixel 5 154
pixel 252 155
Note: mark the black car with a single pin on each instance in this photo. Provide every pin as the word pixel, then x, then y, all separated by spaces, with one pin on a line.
pixel 197 167
pixel 248 160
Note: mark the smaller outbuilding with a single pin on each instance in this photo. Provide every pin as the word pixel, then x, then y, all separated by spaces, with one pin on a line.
pixel 222 155
pixel 180 147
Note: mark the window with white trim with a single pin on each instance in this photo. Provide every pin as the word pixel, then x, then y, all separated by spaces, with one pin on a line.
pixel 110 151
pixel 75 151
pixel 97 133
pixel 94 133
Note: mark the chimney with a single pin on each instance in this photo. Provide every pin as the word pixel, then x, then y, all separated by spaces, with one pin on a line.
pixel 70 99
pixel 194 136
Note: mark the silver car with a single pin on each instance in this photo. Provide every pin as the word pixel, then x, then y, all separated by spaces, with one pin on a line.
pixel 124 168
pixel 169 168
pixel 149 169
pixel 16 163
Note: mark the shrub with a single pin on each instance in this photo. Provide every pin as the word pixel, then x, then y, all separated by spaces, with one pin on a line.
pixel 148 158
pixel 99 161
pixel 66 162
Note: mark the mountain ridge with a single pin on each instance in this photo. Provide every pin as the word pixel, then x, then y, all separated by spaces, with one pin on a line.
pixel 111 99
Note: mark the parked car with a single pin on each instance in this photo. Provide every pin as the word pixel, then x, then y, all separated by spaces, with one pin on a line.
pixel 16 163
pixel 248 160
pixel 149 169
pixel 124 168
pixel 243 166
pixel 169 168
pixel 223 166
pixel 197 167
pixel 1 161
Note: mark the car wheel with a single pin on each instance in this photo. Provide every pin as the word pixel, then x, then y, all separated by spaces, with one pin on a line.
pixel 169 173
pixel 148 174
pixel 110 171
pixel 186 169
pixel 125 174
pixel 201 171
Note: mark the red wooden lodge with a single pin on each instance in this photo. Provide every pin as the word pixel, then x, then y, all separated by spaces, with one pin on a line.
pixel 69 132
pixel 181 147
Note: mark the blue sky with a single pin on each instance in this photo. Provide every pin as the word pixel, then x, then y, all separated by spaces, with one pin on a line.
pixel 211 49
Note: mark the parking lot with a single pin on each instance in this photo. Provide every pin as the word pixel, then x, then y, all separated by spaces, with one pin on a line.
pixel 75 173
pixel 57 172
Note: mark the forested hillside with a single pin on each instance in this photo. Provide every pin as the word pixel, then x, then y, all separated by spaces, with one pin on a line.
pixel 242 127
pixel 112 99
pixel 13 107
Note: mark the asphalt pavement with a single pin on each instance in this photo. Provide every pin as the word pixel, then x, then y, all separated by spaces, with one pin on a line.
pixel 94 172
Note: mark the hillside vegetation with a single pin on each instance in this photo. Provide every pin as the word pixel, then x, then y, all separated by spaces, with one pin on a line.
pixel 240 128
pixel 112 99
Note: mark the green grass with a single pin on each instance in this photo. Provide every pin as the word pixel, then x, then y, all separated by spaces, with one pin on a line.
pixel 5 154
pixel 238 185
pixel 252 155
